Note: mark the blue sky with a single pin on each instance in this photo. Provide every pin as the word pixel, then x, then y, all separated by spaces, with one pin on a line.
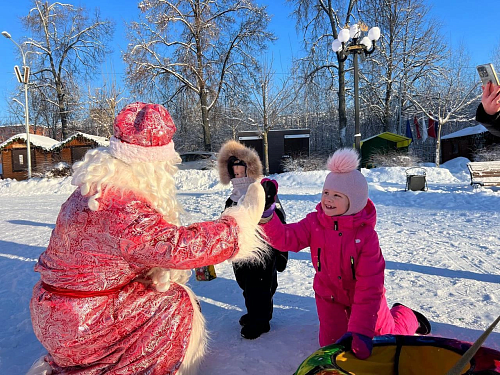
pixel 475 24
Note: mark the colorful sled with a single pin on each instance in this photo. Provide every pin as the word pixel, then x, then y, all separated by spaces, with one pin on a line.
pixel 205 273
pixel 402 355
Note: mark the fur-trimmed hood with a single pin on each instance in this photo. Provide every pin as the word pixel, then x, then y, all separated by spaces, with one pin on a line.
pixel 248 155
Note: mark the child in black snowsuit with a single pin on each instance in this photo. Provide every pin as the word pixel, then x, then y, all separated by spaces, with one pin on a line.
pixel 241 166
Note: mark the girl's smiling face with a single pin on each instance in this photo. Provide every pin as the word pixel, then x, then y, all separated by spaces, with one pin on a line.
pixel 334 203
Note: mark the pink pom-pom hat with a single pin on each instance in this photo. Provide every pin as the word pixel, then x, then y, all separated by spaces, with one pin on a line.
pixel 345 178
pixel 143 134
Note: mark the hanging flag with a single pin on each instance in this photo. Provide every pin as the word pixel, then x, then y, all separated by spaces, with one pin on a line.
pixel 431 130
pixel 424 129
pixel 408 130
pixel 417 128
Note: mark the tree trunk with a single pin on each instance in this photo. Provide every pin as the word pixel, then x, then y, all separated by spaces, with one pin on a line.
pixel 266 152
pixel 342 105
pixel 63 114
pixel 204 120
pixel 265 119
pixel 387 104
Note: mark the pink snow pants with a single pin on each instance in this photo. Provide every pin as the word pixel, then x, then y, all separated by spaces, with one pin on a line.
pixel 334 317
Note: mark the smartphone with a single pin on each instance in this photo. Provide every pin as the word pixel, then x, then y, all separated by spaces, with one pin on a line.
pixel 488 74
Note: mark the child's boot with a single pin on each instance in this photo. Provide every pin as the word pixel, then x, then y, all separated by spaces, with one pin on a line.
pixel 253 330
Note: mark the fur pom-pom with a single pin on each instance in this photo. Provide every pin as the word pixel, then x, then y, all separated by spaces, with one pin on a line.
pixel 343 161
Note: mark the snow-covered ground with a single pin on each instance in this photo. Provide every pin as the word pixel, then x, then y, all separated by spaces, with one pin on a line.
pixel 442 249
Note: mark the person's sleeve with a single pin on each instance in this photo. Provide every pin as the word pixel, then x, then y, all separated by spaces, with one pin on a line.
pixel 490 122
pixel 369 288
pixel 287 237
pixel 149 240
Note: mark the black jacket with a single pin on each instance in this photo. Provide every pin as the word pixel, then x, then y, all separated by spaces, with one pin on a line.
pixel 490 122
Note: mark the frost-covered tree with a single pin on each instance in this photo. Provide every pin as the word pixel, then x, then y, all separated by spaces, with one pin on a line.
pixel 271 98
pixel 409 52
pixel 67 43
pixel 103 105
pixel 194 45
pixel 319 21
pixel 450 97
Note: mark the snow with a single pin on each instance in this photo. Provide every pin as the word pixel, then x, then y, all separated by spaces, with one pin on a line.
pixel 41 141
pixel 441 246
pixel 101 141
pixel 478 129
pixel 49 144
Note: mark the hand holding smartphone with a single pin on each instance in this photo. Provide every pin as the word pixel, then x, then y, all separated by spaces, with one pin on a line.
pixel 487 74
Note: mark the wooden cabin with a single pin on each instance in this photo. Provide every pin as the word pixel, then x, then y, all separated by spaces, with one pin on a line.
pixel 14 155
pixel 73 149
pixel 466 142
pixel 46 153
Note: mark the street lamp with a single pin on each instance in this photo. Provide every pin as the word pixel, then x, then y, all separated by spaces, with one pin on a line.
pixel 24 79
pixel 350 42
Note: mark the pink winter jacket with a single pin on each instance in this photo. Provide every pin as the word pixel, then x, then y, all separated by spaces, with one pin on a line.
pixel 346 255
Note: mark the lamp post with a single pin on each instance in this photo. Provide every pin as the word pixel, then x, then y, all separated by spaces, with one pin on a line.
pixel 24 79
pixel 349 42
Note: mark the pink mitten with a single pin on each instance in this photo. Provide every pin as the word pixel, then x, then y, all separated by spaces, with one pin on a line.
pixel 360 345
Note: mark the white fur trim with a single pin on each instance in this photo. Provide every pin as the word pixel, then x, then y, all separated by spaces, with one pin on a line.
pixel 162 277
pixel 197 345
pixel 40 367
pixel 252 247
pixel 131 153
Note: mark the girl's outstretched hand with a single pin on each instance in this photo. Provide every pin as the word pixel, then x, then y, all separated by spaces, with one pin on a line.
pixel 271 189
pixel 360 345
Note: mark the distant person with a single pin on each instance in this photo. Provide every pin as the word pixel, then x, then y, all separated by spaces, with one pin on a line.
pixel 488 112
pixel 241 167
pixel 112 298
pixel 345 251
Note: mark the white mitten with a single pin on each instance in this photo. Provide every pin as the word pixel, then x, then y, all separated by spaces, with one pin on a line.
pixel 251 246
pixel 254 201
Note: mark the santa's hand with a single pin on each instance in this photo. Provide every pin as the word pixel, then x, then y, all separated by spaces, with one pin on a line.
pixel 254 201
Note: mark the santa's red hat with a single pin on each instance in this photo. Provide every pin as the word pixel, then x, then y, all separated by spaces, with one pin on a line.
pixel 143 134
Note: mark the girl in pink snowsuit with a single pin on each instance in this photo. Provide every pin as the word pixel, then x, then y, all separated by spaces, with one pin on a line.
pixel 349 281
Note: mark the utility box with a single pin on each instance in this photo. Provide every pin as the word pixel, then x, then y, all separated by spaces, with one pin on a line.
pixel 283 144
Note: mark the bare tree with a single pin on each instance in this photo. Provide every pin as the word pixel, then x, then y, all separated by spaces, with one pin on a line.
pixel 320 22
pixel 452 96
pixel 410 51
pixel 67 44
pixel 198 43
pixel 271 100
pixel 496 58
pixel 103 106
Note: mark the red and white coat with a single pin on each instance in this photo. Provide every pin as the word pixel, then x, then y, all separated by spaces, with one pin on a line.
pixel 94 309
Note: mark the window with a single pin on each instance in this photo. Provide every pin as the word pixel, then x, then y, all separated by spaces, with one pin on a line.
pixel 77 153
pixel 20 160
